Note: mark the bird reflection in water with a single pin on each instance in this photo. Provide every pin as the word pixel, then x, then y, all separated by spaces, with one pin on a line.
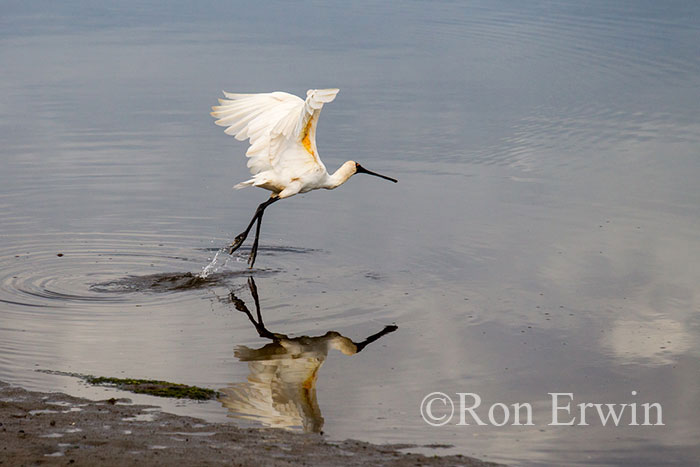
pixel 281 388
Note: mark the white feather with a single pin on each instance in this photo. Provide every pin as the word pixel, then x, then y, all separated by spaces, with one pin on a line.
pixel 281 128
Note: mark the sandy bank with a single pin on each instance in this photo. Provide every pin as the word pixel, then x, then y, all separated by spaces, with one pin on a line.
pixel 53 428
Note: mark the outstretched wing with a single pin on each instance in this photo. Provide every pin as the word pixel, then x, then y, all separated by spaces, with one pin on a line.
pixel 253 116
pixel 281 127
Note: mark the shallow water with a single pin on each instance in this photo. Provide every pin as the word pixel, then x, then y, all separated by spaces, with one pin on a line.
pixel 542 237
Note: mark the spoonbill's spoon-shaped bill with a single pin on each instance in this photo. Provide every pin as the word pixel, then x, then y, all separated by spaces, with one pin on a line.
pixel 362 170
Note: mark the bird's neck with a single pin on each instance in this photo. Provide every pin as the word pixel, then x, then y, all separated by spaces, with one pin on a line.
pixel 341 175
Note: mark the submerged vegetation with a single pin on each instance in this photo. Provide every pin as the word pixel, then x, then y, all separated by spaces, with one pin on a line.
pixel 154 387
pixel 146 386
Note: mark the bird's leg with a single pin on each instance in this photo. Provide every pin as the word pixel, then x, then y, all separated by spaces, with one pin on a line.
pixel 260 326
pixel 240 238
pixel 254 249
pixel 241 306
pixel 254 292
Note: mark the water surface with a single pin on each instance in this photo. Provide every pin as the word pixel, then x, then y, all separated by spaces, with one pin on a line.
pixel 542 237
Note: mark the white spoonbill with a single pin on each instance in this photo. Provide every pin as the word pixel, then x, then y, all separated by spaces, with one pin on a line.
pixel 282 155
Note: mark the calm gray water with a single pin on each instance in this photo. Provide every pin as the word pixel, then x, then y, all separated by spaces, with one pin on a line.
pixel 543 236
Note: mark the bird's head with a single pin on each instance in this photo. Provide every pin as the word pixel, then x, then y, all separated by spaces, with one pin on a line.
pixel 340 342
pixel 361 170
pixel 349 169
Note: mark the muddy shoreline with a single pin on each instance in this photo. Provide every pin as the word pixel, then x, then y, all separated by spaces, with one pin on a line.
pixel 57 429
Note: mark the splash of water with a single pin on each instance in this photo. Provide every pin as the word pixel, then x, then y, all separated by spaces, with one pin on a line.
pixel 218 263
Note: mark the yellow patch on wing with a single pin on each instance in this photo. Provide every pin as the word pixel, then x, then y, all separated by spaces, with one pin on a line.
pixel 306 139
pixel 310 382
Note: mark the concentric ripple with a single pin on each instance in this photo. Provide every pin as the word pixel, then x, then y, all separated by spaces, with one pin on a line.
pixel 81 270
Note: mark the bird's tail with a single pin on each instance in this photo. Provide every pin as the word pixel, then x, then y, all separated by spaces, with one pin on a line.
pixel 245 184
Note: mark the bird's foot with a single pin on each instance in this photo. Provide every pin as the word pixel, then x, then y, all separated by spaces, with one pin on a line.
pixel 237 242
pixel 239 304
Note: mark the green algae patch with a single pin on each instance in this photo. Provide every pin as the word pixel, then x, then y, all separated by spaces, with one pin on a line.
pixel 154 387
pixel 144 386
